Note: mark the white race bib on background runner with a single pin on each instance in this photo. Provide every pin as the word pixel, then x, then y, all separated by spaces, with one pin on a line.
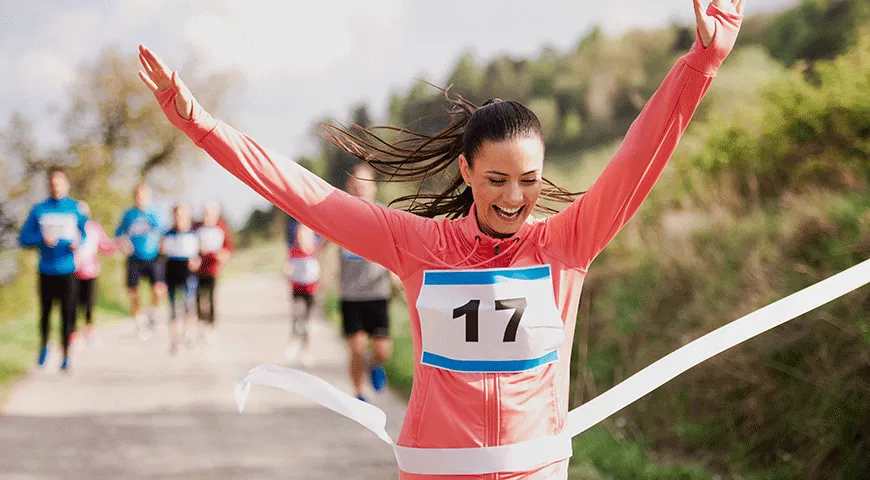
pixel 306 270
pixel 211 239
pixel 492 320
pixel 61 226
pixel 182 245
pixel 140 227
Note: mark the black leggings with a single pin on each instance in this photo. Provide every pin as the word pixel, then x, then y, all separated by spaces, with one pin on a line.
pixel 63 288
pixel 205 307
pixel 86 294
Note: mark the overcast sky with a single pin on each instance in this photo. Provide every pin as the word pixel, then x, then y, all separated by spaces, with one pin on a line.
pixel 302 60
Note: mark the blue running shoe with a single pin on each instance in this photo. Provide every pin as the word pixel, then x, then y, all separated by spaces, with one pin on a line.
pixel 361 398
pixel 42 356
pixel 379 378
pixel 65 364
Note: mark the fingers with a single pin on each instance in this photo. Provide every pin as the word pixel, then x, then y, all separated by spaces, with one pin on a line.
pixel 148 81
pixel 738 4
pixel 156 64
pixel 146 65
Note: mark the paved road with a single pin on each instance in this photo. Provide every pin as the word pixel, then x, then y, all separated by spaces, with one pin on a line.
pixel 130 410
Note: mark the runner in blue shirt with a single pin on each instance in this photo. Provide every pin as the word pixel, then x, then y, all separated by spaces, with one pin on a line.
pixel 140 232
pixel 56 227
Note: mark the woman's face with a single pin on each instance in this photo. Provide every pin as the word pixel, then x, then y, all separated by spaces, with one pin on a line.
pixel 505 182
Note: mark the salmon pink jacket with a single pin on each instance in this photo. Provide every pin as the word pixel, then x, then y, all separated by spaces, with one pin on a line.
pixel 450 409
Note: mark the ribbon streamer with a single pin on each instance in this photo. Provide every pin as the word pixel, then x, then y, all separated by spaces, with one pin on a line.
pixel 538 452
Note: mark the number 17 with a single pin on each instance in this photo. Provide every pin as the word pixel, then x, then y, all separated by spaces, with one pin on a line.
pixel 471 311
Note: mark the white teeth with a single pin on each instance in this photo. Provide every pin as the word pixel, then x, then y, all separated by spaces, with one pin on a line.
pixel 508 213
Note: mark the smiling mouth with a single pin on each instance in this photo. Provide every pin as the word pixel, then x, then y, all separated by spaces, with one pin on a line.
pixel 508 215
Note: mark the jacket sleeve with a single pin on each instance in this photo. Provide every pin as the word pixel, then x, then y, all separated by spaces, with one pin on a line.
pixel 583 229
pixel 123 225
pixel 374 232
pixel 30 235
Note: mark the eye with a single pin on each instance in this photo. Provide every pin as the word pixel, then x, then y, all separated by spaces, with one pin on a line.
pixel 494 181
pixel 530 181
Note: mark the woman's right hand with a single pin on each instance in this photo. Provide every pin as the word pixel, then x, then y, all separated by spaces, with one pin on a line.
pixel 159 78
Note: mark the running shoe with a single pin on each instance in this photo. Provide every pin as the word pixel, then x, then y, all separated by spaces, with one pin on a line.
pixel 142 329
pixel 65 365
pixel 89 333
pixel 361 398
pixel 43 355
pixel 73 337
pixel 379 378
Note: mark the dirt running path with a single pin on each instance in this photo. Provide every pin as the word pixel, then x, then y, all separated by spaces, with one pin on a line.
pixel 130 410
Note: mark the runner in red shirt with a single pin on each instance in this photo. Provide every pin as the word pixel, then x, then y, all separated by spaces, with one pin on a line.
pixel 215 247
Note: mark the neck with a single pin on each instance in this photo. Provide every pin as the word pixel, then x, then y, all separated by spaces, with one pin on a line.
pixel 492 233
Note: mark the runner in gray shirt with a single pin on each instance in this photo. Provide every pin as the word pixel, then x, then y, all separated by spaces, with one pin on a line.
pixel 366 288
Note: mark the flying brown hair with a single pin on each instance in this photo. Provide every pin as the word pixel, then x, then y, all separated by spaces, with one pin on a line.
pixel 417 157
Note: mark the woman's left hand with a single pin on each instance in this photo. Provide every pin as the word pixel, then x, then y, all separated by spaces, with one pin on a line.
pixel 706 24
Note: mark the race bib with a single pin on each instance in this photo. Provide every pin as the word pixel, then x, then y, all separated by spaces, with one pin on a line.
pixel 492 320
pixel 182 245
pixel 140 227
pixel 62 226
pixel 305 270
pixel 211 239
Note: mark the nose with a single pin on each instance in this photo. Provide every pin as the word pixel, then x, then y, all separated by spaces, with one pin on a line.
pixel 514 195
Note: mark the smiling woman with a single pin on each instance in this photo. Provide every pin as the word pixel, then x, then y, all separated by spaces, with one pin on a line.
pixel 492 297
pixel 500 151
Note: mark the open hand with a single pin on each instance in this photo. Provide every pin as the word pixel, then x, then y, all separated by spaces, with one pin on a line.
pixel 706 24
pixel 158 77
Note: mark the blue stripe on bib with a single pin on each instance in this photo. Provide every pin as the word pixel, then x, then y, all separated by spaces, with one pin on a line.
pixel 488 365
pixel 484 277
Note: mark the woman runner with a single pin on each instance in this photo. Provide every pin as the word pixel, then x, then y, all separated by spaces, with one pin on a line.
pixel 88 267
pixel 492 293
pixel 303 274
pixel 181 247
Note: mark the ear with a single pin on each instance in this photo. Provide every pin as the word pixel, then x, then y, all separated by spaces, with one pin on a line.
pixel 465 169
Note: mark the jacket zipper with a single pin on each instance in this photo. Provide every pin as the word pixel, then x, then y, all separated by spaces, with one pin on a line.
pixel 494 398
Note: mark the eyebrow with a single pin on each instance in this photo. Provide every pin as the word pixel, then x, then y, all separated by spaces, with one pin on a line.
pixel 506 175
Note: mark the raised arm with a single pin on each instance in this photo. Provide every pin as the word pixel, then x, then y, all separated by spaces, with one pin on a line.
pixel 374 232
pixel 583 229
